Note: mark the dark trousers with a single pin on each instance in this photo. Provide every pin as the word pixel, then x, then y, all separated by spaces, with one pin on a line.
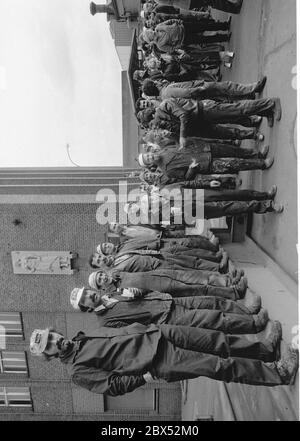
pixel 175 364
pixel 231 151
pixel 224 89
pixel 235 195
pixel 190 242
pixel 215 303
pixel 197 252
pixel 214 210
pixel 235 165
pixel 233 6
pixel 196 26
pixel 227 113
pixel 191 38
pixel 213 342
pixel 229 323
pixel 222 131
pixel 180 289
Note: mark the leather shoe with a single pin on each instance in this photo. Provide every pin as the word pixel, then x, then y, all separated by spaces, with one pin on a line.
pixel 252 302
pixel 268 163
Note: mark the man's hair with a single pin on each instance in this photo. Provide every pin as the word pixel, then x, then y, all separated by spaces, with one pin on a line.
pixel 149 88
pixel 145 116
pixel 91 258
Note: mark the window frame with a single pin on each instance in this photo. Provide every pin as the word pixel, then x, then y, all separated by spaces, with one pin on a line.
pixel 7 401
pixel 10 372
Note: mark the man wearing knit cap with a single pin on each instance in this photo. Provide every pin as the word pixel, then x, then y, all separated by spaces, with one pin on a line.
pixel 116 361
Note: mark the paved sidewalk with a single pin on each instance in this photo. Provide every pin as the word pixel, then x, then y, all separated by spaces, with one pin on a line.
pixel 235 402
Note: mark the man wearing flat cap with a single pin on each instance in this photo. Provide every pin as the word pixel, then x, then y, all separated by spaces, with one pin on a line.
pixel 116 361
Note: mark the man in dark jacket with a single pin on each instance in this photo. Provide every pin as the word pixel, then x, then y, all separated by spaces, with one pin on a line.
pixel 115 310
pixel 178 283
pixel 116 361
pixel 164 121
pixel 186 164
pixel 193 115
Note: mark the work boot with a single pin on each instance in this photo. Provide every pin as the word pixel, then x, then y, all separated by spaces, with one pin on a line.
pixel 252 302
pixel 215 241
pixel 287 366
pixel 269 339
pixel 277 208
pixel 272 193
pixel 241 288
pixel 261 85
pixel 237 275
pixel 268 163
pixel 261 319
pixel 263 152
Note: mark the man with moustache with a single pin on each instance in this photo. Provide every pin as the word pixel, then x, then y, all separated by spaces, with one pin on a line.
pixel 116 361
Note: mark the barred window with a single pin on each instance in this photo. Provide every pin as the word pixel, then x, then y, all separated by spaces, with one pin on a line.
pixel 13 362
pixel 15 397
pixel 11 325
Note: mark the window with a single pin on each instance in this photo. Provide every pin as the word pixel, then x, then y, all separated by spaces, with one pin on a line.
pixel 13 363
pixel 15 397
pixel 12 324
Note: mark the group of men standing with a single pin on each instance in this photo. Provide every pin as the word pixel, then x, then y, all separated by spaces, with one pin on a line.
pixel 171 306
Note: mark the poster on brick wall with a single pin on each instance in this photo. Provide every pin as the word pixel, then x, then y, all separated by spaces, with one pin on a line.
pixel 43 262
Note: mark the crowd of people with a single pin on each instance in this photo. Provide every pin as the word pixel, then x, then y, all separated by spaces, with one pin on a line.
pixel 169 305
